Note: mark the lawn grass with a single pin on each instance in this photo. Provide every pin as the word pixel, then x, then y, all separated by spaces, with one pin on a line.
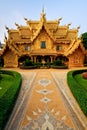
pixel 81 81
pixel 10 83
pixel 5 83
pixel 78 86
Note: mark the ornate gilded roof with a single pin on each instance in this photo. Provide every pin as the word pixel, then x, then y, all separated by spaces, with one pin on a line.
pixel 28 34
pixel 74 45
pixel 33 28
pixel 42 24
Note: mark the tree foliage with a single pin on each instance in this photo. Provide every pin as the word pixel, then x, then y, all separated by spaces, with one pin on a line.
pixel 58 62
pixel 28 62
pixel 84 39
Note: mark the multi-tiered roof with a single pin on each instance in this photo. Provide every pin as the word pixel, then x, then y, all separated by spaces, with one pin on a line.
pixel 28 33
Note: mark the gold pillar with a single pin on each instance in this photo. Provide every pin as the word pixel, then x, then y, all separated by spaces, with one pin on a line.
pixel 35 59
pixel 54 58
pixel 51 59
pixel 32 58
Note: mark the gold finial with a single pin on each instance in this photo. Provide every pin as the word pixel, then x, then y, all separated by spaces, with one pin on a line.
pixel 69 24
pixel 7 28
pixel 16 24
pixel 60 19
pixel 78 27
pixel 25 19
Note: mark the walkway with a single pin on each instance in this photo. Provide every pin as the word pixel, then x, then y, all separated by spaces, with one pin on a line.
pixel 46 103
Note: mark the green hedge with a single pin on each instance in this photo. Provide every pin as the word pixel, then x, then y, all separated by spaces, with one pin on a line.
pixel 7 101
pixel 78 91
pixel 28 67
pixel 28 62
pixel 59 67
pixel 57 64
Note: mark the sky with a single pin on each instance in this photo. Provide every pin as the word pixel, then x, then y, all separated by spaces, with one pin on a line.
pixel 71 11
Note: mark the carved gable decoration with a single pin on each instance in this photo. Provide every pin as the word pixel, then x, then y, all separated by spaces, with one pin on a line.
pixel 43 37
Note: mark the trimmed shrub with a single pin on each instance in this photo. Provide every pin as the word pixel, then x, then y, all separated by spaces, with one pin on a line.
pixel 38 64
pixel 28 67
pixel 57 62
pixel 8 99
pixel 59 67
pixel 28 63
pixel 78 91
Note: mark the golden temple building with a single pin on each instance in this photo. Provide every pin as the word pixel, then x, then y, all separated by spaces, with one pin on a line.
pixel 43 40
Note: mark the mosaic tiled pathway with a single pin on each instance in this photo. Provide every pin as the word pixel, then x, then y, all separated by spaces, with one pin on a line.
pixel 41 105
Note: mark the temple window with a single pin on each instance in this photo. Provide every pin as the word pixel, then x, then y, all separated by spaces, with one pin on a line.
pixel 27 48
pixel 58 48
pixel 43 44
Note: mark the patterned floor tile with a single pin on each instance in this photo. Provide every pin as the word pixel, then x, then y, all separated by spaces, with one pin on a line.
pixel 46 107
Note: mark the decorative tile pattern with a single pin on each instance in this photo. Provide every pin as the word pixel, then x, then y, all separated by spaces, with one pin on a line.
pixel 57 113
pixel 44 91
pixel 28 118
pixel 47 126
pixel 44 82
pixel 48 115
pixel 52 110
pixel 39 110
pixel 45 100
pixel 47 122
pixel 34 113
pixel 63 118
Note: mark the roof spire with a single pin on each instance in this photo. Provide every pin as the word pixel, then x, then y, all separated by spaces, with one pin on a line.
pixel 43 9
pixel 43 18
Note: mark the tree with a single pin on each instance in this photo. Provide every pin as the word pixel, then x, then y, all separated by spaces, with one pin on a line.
pixel 84 39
